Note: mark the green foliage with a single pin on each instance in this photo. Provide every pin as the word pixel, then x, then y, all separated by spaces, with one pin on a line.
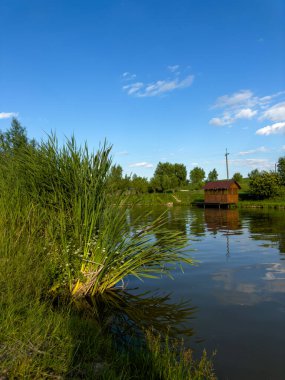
pixel 61 229
pixel 197 176
pixel 85 230
pixel 139 185
pixel 116 182
pixel 14 138
pixel 237 177
pixel 264 184
pixel 168 176
pixel 281 169
pixel 213 175
pixel 254 173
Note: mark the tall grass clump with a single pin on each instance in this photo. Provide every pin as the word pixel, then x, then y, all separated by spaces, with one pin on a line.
pixel 82 226
pixel 64 238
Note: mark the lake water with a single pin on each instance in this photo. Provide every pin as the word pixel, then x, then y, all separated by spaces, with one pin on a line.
pixel 237 289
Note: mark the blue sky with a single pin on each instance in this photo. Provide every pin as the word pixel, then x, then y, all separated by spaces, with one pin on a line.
pixel 177 81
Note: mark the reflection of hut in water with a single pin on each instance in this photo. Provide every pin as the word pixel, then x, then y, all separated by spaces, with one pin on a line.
pixel 222 219
pixel 226 221
pixel 221 193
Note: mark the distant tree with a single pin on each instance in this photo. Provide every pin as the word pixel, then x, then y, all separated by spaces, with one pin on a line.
pixel 14 138
pixel 180 173
pixel 254 173
pixel 197 176
pixel 281 169
pixel 237 177
pixel 116 181
pixel 213 175
pixel 139 184
pixel 168 176
pixel 264 184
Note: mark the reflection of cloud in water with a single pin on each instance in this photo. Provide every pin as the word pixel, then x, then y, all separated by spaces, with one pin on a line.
pixel 251 284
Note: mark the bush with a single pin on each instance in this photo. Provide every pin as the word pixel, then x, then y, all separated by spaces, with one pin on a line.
pixel 263 185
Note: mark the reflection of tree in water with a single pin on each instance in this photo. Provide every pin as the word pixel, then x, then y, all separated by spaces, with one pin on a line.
pixel 128 316
pixel 197 222
pixel 267 225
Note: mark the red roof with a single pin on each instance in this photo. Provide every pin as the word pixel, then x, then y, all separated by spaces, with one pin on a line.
pixel 226 184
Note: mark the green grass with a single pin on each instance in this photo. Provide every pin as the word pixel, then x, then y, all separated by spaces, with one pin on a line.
pixel 182 198
pixel 63 237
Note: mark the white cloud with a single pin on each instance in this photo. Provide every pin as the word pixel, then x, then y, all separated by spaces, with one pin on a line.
pixel 159 87
pixel 253 163
pixel 173 68
pixel 128 76
pixel 273 129
pixel 283 147
pixel 275 113
pixel 131 89
pixel 245 105
pixel 262 149
pixel 141 165
pixel 245 113
pixel 7 115
pixel 238 98
pixel 226 119
pixel 122 153
pixel 163 86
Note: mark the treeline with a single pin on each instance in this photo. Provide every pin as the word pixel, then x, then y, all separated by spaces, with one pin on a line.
pixel 167 177
pixel 170 177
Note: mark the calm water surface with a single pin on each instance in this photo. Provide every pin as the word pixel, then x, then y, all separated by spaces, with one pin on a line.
pixel 237 288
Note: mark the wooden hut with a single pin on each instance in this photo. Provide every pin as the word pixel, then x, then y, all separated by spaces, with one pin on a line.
pixel 221 192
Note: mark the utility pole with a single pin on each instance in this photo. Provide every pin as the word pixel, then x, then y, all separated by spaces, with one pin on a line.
pixel 227 163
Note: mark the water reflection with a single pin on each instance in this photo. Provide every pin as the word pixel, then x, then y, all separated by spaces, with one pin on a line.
pixel 252 285
pixel 267 225
pixel 238 287
pixel 224 220
pixel 128 315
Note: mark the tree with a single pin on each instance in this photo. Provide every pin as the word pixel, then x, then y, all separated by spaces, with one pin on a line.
pixel 197 176
pixel 237 177
pixel 264 184
pixel 180 173
pixel 254 173
pixel 116 181
pixel 281 170
pixel 213 175
pixel 139 184
pixel 14 138
pixel 168 176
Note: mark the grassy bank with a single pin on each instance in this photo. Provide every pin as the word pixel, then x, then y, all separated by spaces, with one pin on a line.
pixel 64 239
pixel 182 198
pixel 189 198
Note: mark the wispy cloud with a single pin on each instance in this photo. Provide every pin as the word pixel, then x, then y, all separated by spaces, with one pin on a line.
pixel 141 165
pixel 173 68
pixel 277 128
pixel 126 76
pixel 8 115
pixel 122 153
pixel 238 98
pixel 261 149
pixel 245 113
pixel 159 87
pixel 245 105
pixel 253 163
pixel 275 113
